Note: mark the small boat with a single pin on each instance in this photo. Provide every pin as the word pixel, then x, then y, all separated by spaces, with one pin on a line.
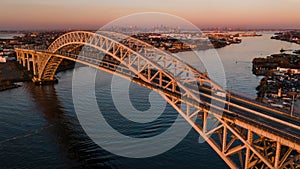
pixel 19 84
pixel 277 105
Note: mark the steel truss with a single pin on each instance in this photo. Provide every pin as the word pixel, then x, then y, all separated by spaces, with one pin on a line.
pixel 239 142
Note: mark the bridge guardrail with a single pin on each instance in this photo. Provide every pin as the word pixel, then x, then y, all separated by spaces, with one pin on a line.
pixel 243 96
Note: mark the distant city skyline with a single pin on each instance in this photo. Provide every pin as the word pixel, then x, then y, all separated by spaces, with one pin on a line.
pixel 93 14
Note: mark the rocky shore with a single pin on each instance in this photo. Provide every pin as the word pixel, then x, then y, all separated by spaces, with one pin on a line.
pixel 11 73
pixel 8 86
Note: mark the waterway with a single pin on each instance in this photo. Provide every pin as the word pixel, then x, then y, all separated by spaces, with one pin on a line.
pixel 39 127
pixel 10 35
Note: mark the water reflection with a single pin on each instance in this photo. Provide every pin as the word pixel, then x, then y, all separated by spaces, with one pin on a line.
pixel 66 131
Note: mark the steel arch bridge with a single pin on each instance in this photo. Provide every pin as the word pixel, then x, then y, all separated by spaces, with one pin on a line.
pixel 246 135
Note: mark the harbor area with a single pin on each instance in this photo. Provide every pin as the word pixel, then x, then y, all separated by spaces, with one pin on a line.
pixel 280 86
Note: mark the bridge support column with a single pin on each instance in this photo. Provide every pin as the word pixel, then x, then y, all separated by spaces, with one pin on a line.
pixel 34 58
pixel 18 57
pixel 277 155
pixel 28 61
pixel 24 59
pixel 247 158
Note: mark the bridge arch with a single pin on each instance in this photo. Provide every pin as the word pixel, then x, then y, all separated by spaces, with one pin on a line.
pixel 137 59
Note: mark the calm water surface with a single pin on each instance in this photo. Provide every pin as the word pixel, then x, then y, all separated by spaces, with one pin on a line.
pixel 39 127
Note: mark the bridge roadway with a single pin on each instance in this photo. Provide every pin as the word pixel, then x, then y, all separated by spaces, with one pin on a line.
pixel 278 123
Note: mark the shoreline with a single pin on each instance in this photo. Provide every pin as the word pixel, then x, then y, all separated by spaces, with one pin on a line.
pixel 8 87
pixel 11 73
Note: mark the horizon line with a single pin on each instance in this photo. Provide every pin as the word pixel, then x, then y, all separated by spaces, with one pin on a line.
pixel 216 28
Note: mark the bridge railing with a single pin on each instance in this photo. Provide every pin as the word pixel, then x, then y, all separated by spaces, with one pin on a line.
pixel 275 131
pixel 252 99
pixel 31 47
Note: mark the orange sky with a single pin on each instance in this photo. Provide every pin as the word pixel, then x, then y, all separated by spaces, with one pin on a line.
pixel 62 14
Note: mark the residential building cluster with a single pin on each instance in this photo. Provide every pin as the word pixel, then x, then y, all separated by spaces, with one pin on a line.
pixel 289 36
pixel 281 85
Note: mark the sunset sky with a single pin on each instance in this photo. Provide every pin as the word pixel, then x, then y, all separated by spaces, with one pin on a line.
pixel 92 14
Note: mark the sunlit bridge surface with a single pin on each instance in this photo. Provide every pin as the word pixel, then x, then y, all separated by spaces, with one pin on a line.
pixel 244 133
